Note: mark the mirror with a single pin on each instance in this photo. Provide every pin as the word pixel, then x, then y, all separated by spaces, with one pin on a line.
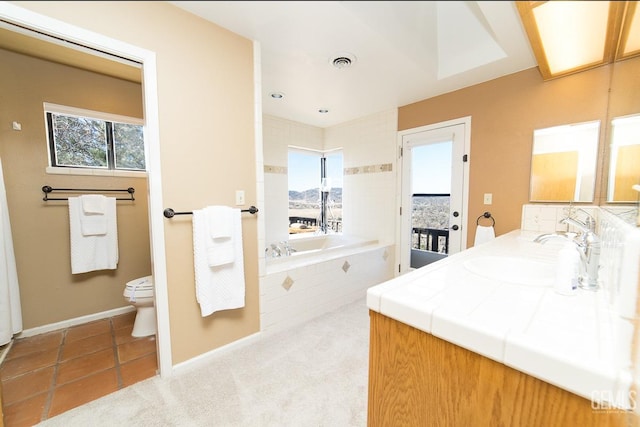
pixel 563 163
pixel 624 159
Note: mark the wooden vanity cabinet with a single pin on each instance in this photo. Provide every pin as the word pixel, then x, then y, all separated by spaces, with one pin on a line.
pixel 417 379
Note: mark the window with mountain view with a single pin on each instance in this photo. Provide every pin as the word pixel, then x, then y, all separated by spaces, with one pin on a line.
pixel 315 191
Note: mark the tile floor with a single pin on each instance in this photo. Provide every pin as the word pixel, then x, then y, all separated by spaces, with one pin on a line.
pixel 45 375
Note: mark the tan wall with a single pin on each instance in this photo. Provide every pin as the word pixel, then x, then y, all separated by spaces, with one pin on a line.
pixel 49 292
pixel 504 113
pixel 206 114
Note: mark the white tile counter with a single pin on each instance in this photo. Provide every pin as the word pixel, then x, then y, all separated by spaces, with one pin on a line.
pixel 563 340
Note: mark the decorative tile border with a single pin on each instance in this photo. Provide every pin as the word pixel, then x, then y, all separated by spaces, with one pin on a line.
pixel 385 167
pixel 275 169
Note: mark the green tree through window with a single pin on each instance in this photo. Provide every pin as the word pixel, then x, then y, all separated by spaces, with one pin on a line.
pixel 88 142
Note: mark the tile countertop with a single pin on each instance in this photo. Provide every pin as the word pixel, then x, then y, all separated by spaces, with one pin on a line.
pixel 564 340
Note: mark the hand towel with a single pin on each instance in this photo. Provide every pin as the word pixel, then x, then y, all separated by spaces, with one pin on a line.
pixel 220 244
pixel 484 233
pixel 218 287
pixel 93 203
pixel 93 221
pixel 95 251
pixel 220 221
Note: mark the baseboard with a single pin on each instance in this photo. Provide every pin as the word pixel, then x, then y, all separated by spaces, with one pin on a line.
pixel 73 322
pixel 204 358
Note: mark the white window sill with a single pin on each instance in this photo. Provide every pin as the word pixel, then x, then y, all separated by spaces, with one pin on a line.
pixel 94 172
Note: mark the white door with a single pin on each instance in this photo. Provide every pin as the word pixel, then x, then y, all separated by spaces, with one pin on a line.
pixel 434 192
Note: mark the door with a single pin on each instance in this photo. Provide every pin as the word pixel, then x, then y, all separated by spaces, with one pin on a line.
pixel 434 192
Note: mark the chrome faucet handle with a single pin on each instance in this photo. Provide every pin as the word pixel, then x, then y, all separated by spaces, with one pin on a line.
pixel 590 221
pixel 579 224
pixel 276 250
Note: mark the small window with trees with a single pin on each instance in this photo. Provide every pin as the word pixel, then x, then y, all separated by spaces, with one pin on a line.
pixel 89 139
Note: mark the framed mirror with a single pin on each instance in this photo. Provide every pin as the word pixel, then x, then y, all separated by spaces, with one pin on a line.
pixel 624 159
pixel 564 162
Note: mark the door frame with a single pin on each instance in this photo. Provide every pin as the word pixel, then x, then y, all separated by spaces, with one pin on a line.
pixel 35 21
pixel 404 258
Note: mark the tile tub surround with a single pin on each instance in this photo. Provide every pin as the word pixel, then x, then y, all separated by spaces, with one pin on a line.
pixel 567 341
pixel 296 289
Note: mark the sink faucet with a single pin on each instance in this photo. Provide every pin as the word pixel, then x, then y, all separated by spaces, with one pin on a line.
pixel 588 245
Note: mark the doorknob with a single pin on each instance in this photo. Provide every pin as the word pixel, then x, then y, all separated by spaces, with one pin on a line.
pixel 454 227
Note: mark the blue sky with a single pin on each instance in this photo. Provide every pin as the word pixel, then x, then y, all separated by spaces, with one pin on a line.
pixel 431 169
pixel 304 170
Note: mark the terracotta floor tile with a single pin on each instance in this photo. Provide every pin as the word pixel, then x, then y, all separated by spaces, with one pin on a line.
pixel 79 392
pixel 27 385
pixel 25 413
pixel 123 334
pixel 122 320
pixel 86 346
pixel 79 332
pixel 86 368
pixel 37 343
pixel 31 362
pixel 136 349
pixel 85 365
pixel 139 369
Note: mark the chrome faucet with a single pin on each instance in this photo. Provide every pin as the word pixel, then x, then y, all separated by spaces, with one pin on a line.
pixel 588 244
pixel 275 250
pixel 288 250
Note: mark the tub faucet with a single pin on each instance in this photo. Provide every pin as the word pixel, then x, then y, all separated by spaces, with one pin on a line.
pixel 588 245
pixel 288 250
pixel 275 250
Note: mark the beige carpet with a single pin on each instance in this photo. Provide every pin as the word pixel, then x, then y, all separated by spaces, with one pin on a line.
pixel 312 375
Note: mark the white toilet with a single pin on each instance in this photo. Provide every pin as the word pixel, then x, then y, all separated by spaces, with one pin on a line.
pixel 139 293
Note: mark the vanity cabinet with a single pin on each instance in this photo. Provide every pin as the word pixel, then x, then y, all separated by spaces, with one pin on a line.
pixel 417 379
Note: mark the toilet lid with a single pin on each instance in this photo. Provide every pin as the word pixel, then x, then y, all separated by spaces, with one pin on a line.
pixel 141 287
pixel 141 282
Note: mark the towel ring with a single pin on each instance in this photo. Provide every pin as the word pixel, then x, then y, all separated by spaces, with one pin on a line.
pixel 486 215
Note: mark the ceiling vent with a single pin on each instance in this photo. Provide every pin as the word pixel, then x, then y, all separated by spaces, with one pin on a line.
pixel 343 60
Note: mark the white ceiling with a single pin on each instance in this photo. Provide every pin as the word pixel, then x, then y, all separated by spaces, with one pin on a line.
pixel 405 51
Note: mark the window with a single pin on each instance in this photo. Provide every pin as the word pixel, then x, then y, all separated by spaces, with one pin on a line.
pixel 315 191
pixel 89 139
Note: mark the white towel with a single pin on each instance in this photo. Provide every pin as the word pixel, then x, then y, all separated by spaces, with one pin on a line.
pixel 93 220
pixel 220 244
pixel 220 221
pixel 220 287
pixel 484 233
pixel 93 204
pixel 94 251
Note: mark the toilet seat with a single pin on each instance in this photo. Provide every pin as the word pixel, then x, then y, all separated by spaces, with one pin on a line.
pixel 139 289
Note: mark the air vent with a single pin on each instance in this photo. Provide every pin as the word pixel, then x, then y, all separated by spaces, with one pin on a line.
pixel 343 60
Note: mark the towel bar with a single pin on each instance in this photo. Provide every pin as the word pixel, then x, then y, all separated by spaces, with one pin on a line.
pixel 170 213
pixel 47 189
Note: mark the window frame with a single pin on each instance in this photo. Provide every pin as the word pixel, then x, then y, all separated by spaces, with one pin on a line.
pixel 322 156
pixel 109 120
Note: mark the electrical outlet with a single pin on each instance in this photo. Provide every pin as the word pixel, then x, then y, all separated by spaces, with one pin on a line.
pixel 488 198
pixel 239 197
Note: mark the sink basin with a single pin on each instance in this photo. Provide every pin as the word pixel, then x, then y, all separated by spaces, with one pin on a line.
pixel 517 270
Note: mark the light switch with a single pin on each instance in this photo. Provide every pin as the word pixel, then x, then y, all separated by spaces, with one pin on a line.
pixel 239 197
pixel 488 198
